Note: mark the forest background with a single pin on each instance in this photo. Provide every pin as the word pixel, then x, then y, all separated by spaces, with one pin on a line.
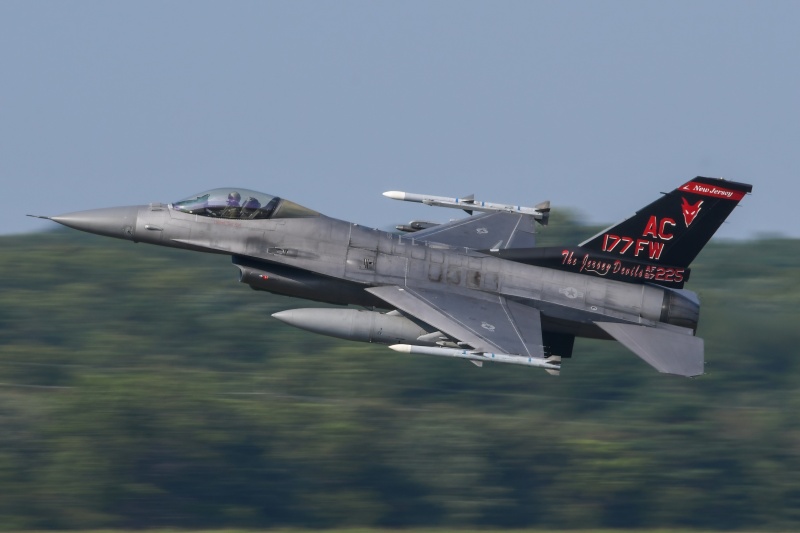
pixel 143 387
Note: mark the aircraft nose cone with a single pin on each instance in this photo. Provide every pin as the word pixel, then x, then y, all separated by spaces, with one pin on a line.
pixel 117 222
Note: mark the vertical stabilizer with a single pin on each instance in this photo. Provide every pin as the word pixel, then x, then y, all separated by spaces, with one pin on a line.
pixel 673 229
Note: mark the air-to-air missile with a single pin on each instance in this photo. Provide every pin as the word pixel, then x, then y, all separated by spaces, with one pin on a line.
pixel 470 204
pixel 548 363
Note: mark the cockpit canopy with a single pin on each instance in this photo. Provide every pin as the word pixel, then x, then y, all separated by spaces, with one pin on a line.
pixel 242 204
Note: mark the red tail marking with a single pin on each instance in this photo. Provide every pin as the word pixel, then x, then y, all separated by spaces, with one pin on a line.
pixel 655 249
pixel 690 210
pixel 711 190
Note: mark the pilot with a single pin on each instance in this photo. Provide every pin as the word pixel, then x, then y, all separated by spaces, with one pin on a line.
pixel 232 206
pixel 250 208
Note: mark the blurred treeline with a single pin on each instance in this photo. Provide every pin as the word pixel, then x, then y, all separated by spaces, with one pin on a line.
pixel 144 387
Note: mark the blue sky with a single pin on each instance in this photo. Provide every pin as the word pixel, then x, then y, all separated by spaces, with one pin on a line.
pixel 596 106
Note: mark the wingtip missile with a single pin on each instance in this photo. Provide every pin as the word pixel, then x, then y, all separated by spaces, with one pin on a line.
pixel 395 195
pixel 550 363
pixel 469 204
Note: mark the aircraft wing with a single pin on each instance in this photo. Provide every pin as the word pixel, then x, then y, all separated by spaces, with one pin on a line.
pixel 481 232
pixel 670 352
pixel 488 323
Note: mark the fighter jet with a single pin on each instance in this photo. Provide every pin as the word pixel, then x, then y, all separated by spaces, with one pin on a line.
pixel 475 288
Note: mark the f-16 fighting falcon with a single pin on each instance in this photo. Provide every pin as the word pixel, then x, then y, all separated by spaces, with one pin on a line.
pixel 474 288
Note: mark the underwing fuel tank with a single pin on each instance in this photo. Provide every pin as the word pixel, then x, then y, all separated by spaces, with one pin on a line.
pixel 356 325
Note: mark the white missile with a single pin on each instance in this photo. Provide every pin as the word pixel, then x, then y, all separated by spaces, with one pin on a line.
pixel 469 204
pixel 549 363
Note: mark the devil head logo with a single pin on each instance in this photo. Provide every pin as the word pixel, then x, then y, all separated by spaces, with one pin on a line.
pixel 690 210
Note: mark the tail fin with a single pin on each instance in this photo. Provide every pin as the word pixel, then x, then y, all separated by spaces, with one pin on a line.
pixel 673 229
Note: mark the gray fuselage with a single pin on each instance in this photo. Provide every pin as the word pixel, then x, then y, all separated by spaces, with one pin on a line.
pixel 341 259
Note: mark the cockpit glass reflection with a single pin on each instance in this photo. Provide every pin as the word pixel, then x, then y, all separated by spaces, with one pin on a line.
pixel 241 204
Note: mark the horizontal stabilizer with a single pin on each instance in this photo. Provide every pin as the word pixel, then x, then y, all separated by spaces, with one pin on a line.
pixel 668 352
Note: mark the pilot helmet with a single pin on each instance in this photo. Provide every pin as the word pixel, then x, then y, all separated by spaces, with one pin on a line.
pixel 234 197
